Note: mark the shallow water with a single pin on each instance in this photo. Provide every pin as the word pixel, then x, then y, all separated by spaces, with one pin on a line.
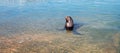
pixel 97 23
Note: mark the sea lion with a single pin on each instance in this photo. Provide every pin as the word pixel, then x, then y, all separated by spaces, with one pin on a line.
pixel 69 25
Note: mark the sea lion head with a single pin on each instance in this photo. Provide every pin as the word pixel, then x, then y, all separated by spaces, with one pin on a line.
pixel 68 18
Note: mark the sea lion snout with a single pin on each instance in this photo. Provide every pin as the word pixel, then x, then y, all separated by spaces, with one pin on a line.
pixel 69 23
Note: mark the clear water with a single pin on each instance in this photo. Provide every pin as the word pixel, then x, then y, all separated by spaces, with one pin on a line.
pixel 98 19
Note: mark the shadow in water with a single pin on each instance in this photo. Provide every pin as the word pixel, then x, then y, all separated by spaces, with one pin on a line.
pixel 76 27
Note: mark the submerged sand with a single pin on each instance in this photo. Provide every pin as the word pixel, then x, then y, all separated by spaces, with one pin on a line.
pixel 56 43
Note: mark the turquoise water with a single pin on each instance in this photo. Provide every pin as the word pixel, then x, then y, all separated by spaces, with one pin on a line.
pixel 99 19
pixel 42 15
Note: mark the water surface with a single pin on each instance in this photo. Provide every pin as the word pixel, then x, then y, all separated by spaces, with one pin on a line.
pixel 98 23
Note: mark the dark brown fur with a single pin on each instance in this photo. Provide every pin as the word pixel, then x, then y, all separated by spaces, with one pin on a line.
pixel 69 20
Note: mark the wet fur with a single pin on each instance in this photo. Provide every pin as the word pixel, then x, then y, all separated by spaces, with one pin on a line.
pixel 69 19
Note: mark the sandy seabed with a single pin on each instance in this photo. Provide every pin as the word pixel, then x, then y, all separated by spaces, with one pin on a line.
pixel 55 43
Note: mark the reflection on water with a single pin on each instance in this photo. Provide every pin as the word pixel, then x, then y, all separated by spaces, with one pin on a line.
pixel 32 26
